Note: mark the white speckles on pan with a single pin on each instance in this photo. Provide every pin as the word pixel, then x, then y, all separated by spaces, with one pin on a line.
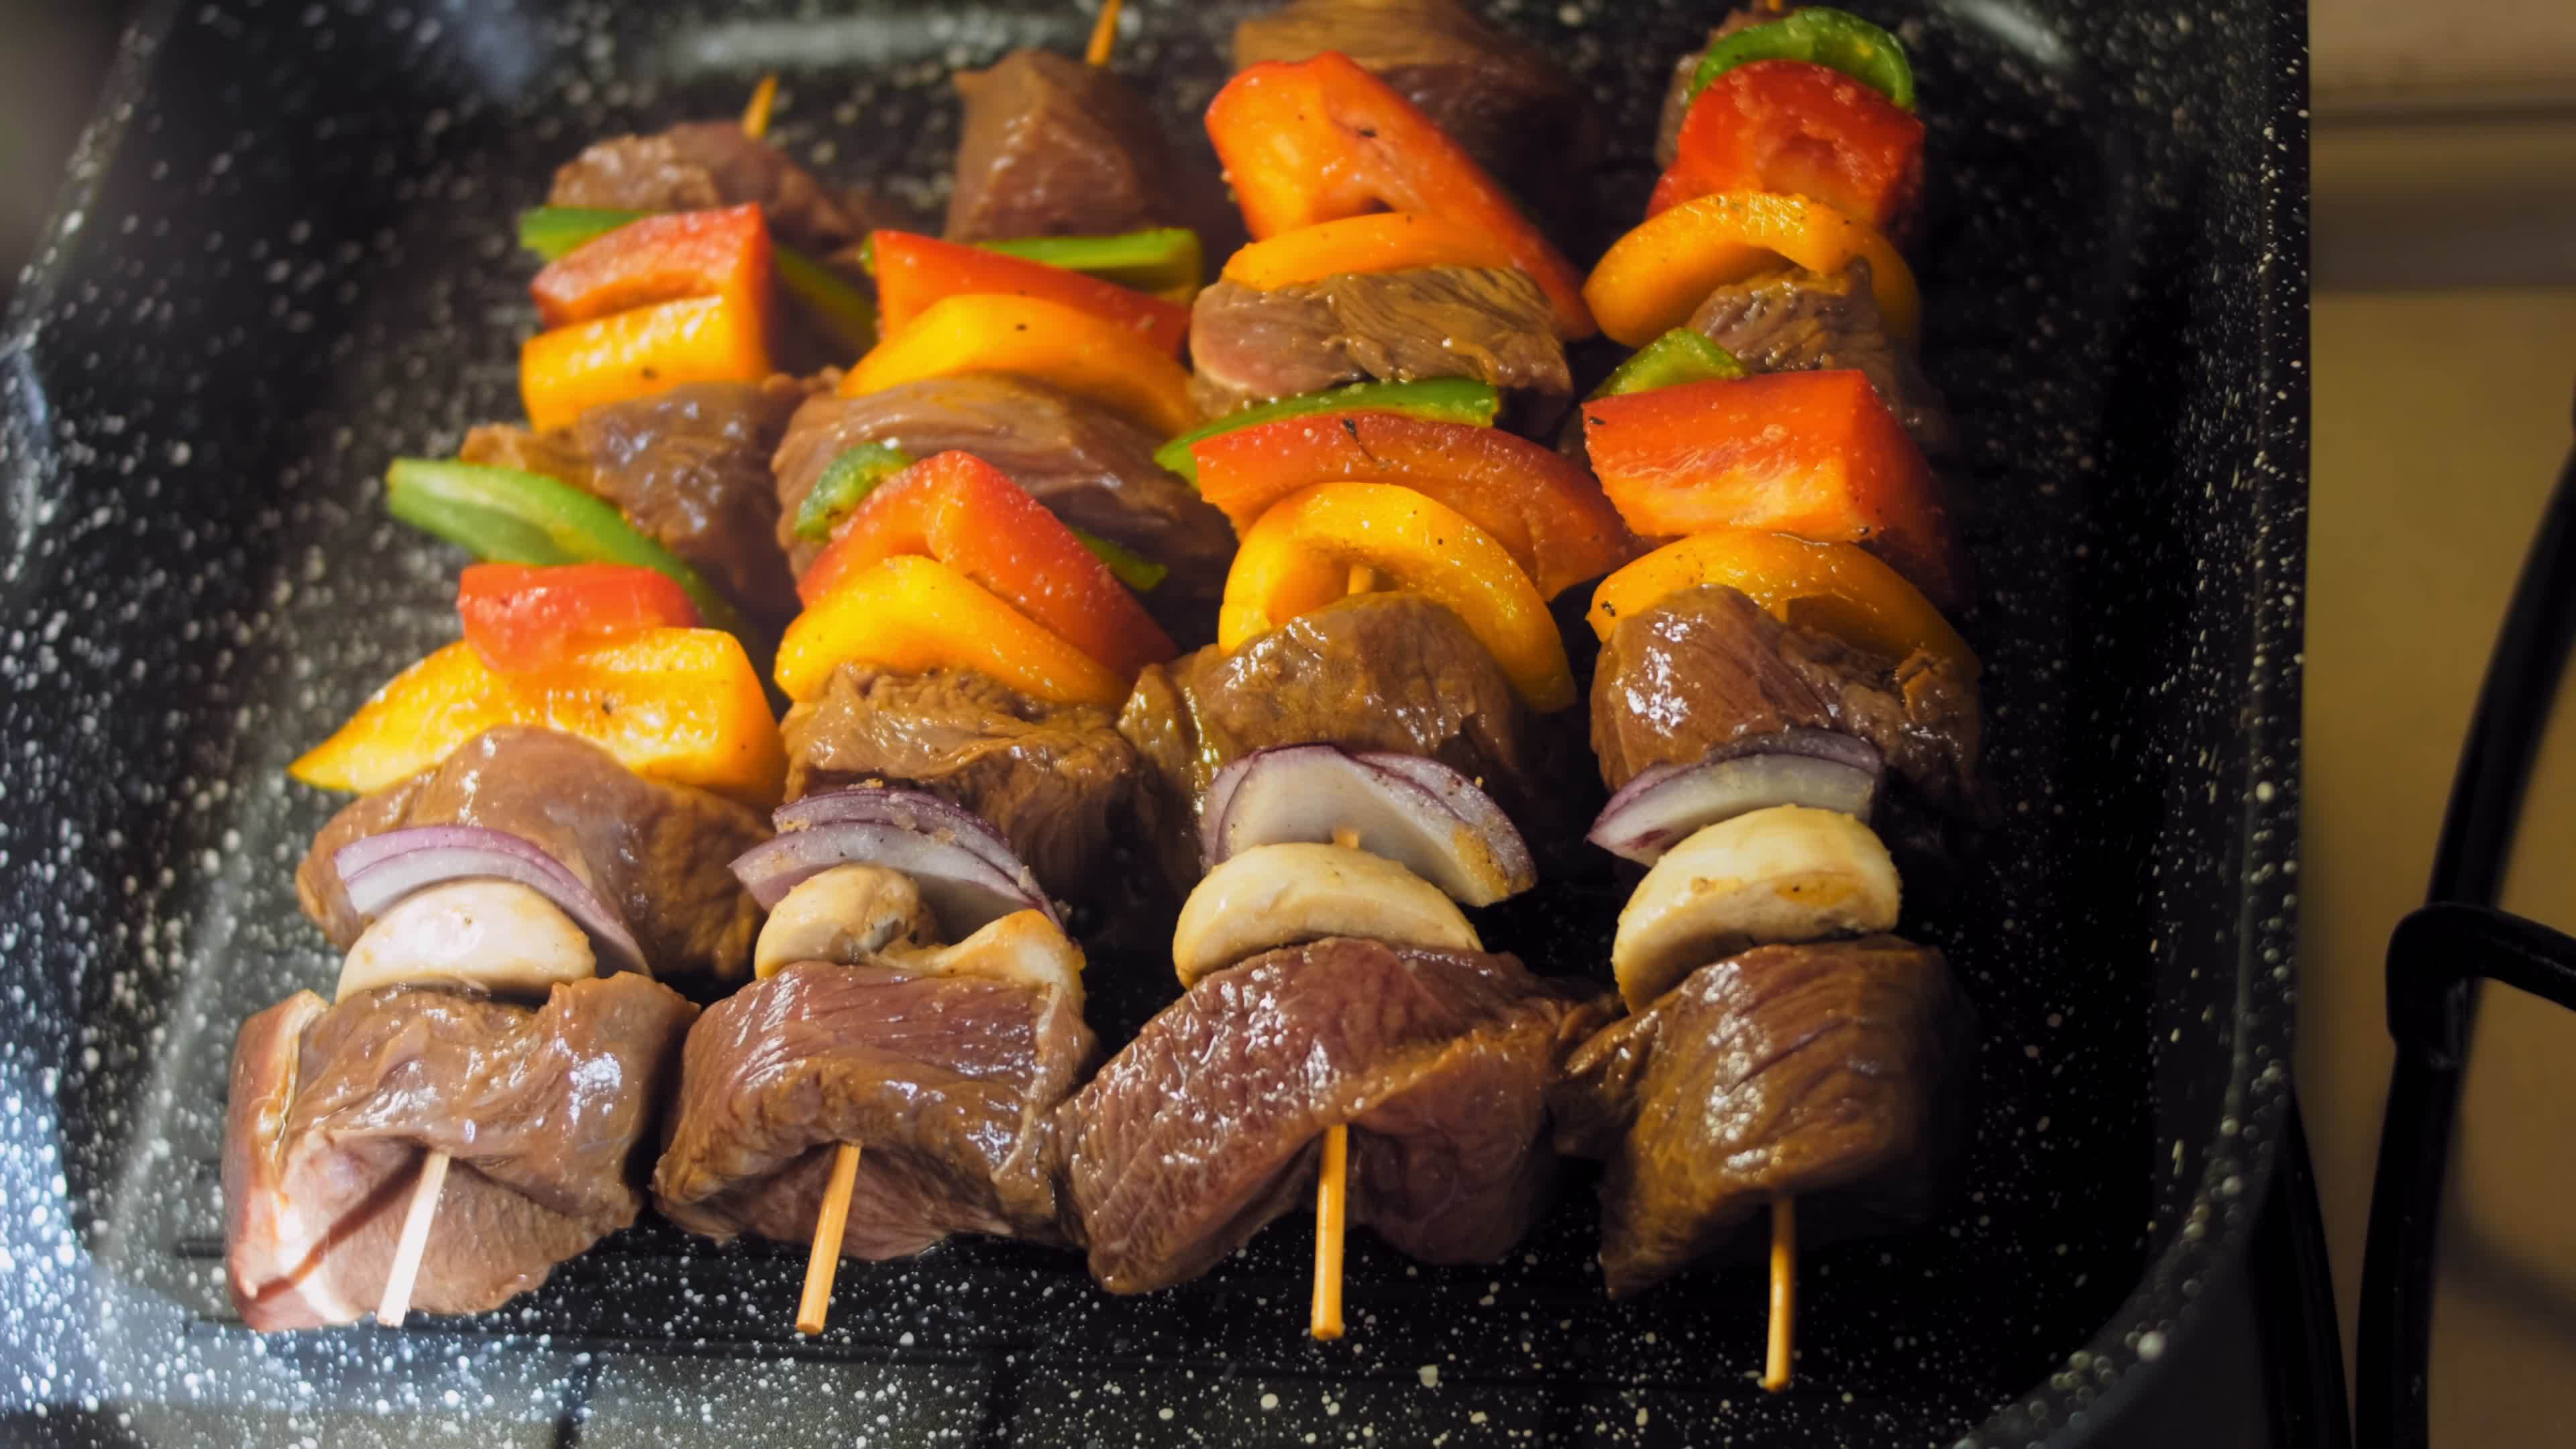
pixel 284 257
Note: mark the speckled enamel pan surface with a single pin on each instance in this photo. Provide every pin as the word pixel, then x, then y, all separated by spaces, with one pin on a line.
pixel 285 256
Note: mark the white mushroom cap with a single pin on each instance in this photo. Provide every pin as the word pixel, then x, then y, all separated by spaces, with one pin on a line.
pixel 1023 949
pixel 495 935
pixel 1281 895
pixel 1789 873
pixel 844 915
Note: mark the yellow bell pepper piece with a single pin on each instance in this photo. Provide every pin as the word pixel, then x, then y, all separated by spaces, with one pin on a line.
pixel 1653 278
pixel 683 706
pixel 639 351
pixel 1299 557
pixel 916 614
pixel 1835 587
pixel 1032 337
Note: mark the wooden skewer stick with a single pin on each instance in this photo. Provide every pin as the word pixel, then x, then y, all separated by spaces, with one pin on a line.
pixel 828 1225
pixel 764 99
pixel 391 1309
pixel 1784 1292
pixel 1332 1189
pixel 1104 34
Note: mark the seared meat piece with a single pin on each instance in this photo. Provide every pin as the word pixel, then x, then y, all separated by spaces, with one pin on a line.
pixel 690 467
pixel 1053 147
pixel 1797 320
pixel 1388 671
pixel 1058 780
pixel 1708 665
pixel 1092 468
pixel 333 1108
pixel 555 453
pixel 657 854
pixel 1677 96
pixel 1831 1073
pixel 946 1082
pixel 1205 1127
pixel 1514 109
pixel 704 164
pixel 1484 323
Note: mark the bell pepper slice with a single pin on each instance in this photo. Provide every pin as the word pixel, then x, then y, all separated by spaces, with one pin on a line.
pixel 1448 399
pixel 1820 35
pixel 1130 567
pixel 969 515
pixel 1829 586
pixel 1815 454
pixel 1378 241
pixel 1033 337
pixel 846 480
pixel 504 515
pixel 1788 126
pixel 682 706
pixel 1540 506
pixel 1653 278
pixel 1166 261
pixel 1322 139
pixel 915 271
pixel 521 617
pixel 1298 558
pixel 566 371
pixel 1681 355
pixel 668 258
pixel 552 232
pixel 917 614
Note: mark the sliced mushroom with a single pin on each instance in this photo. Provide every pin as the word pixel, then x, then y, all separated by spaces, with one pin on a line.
pixel 1281 895
pixel 844 915
pixel 494 935
pixel 1789 873
pixel 1024 949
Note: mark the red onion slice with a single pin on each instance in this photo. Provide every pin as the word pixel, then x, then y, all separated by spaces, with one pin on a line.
pixel 380 870
pixel 913 810
pixel 1662 806
pixel 1416 812
pixel 964 870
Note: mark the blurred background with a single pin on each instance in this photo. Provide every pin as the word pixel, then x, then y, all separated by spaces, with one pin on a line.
pixel 2445 376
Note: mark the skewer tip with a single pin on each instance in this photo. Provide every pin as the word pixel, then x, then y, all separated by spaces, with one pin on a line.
pixel 1332 1194
pixel 1104 34
pixel 1784 1294
pixel 764 99
pixel 829 1222
pixel 414 1240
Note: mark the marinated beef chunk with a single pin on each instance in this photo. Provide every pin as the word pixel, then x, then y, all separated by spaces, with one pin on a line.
pixel 1830 1073
pixel 1514 109
pixel 657 854
pixel 1795 320
pixel 1677 94
pixel 1486 323
pixel 945 1082
pixel 1205 1127
pixel 690 467
pixel 1708 665
pixel 1092 468
pixel 1383 671
pixel 703 164
pixel 333 1109
pixel 555 453
pixel 1053 147
pixel 1058 780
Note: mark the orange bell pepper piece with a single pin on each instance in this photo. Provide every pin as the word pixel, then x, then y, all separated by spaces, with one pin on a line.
pixel 667 258
pixel 521 617
pixel 1319 140
pixel 683 706
pixel 917 614
pixel 964 512
pixel 1112 365
pixel 1298 558
pixel 645 350
pixel 1805 129
pixel 1810 453
pixel 1380 241
pixel 1653 278
pixel 1541 506
pixel 914 271
pixel 1829 586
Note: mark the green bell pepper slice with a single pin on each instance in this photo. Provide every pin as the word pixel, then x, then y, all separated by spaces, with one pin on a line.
pixel 1823 36
pixel 504 515
pixel 850 314
pixel 1679 356
pixel 1441 399
pixel 1165 261
pixel 846 479
pixel 1131 568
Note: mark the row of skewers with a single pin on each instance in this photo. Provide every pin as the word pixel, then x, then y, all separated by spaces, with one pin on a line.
pixel 969 561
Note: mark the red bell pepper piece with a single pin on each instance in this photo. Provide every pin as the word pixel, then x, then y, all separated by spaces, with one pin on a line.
pixel 914 271
pixel 522 618
pixel 673 257
pixel 1805 129
pixel 1814 454
pixel 965 513
pixel 1322 139
pixel 1538 504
